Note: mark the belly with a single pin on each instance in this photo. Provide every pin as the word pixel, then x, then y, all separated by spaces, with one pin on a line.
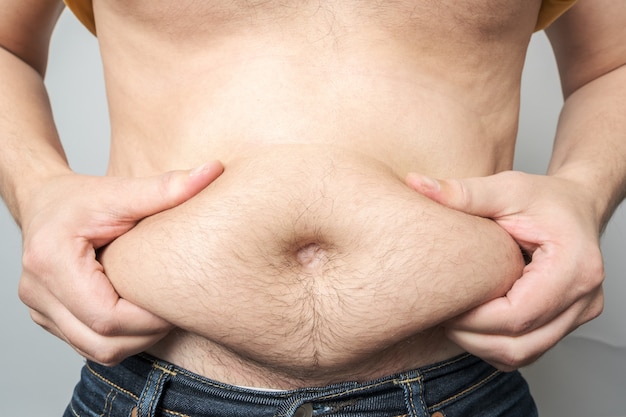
pixel 311 260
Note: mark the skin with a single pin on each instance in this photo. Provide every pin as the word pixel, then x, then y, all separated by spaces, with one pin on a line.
pixel 560 216
pixel 465 96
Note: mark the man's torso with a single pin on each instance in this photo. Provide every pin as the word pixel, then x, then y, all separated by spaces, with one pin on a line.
pixel 309 261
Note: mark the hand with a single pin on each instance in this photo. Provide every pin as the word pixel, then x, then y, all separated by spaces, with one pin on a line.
pixel 63 283
pixel 561 288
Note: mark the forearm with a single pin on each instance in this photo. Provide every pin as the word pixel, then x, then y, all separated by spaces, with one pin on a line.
pixel 590 146
pixel 31 149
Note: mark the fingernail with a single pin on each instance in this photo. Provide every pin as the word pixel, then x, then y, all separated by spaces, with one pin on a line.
pixel 426 182
pixel 431 183
pixel 200 170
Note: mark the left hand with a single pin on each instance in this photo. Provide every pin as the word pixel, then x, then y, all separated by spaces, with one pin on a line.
pixel 552 219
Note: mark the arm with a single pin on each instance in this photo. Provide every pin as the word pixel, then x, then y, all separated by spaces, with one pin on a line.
pixel 558 218
pixel 590 146
pixel 31 149
pixel 66 217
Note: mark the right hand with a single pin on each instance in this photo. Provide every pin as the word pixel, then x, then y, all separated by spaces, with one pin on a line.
pixel 552 219
pixel 64 285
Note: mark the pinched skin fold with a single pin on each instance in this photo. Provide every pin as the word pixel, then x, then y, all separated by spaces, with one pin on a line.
pixel 385 264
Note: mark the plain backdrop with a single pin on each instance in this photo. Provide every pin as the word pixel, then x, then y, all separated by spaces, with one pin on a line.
pixel 584 376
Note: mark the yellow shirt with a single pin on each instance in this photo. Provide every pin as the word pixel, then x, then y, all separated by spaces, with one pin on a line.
pixel 549 12
pixel 83 9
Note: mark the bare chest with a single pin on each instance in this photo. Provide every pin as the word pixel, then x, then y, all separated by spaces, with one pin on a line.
pixel 480 18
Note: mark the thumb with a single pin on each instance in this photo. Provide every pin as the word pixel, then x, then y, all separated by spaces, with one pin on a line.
pixel 142 197
pixel 483 196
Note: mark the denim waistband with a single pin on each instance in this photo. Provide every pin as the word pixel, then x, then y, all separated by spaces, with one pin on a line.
pixel 146 386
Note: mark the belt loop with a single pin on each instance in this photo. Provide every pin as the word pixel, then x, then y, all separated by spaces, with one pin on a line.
pixel 413 387
pixel 153 390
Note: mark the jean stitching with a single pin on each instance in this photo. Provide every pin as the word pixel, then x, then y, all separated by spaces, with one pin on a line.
pixel 411 402
pixel 211 384
pixel 146 389
pixel 73 411
pixel 353 390
pixel 108 403
pixel 290 410
pixel 422 399
pixel 130 394
pixel 410 380
pixel 163 369
pixel 340 394
pixel 111 403
pixel 173 413
pixel 465 391
pixel 112 384
pixel 156 393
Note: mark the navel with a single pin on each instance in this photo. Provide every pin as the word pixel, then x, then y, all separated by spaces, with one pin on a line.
pixel 311 255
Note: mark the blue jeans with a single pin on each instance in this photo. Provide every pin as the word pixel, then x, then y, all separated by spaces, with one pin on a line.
pixel 142 386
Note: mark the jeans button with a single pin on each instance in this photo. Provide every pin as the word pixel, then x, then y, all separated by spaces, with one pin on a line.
pixel 305 410
pixel 437 414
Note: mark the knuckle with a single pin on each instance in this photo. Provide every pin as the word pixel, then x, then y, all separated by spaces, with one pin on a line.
pixel 596 271
pixel 25 291
pixel 513 355
pixel 36 254
pixel 464 193
pixel 595 311
pixel 596 308
pixel 591 276
pixel 104 327
pixel 38 318
pixel 32 257
pixel 108 355
pixel 25 294
pixel 28 293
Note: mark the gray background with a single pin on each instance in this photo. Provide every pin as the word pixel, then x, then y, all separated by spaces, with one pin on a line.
pixel 585 375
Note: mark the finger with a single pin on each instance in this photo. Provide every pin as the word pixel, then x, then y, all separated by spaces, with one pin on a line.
pixel 108 314
pixel 107 350
pixel 530 303
pixel 137 198
pixel 485 196
pixel 87 292
pixel 124 319
pixel 508 353
pixel 543 292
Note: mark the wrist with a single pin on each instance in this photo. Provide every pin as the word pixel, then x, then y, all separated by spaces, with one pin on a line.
pixel 598 194
pixel 28 185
